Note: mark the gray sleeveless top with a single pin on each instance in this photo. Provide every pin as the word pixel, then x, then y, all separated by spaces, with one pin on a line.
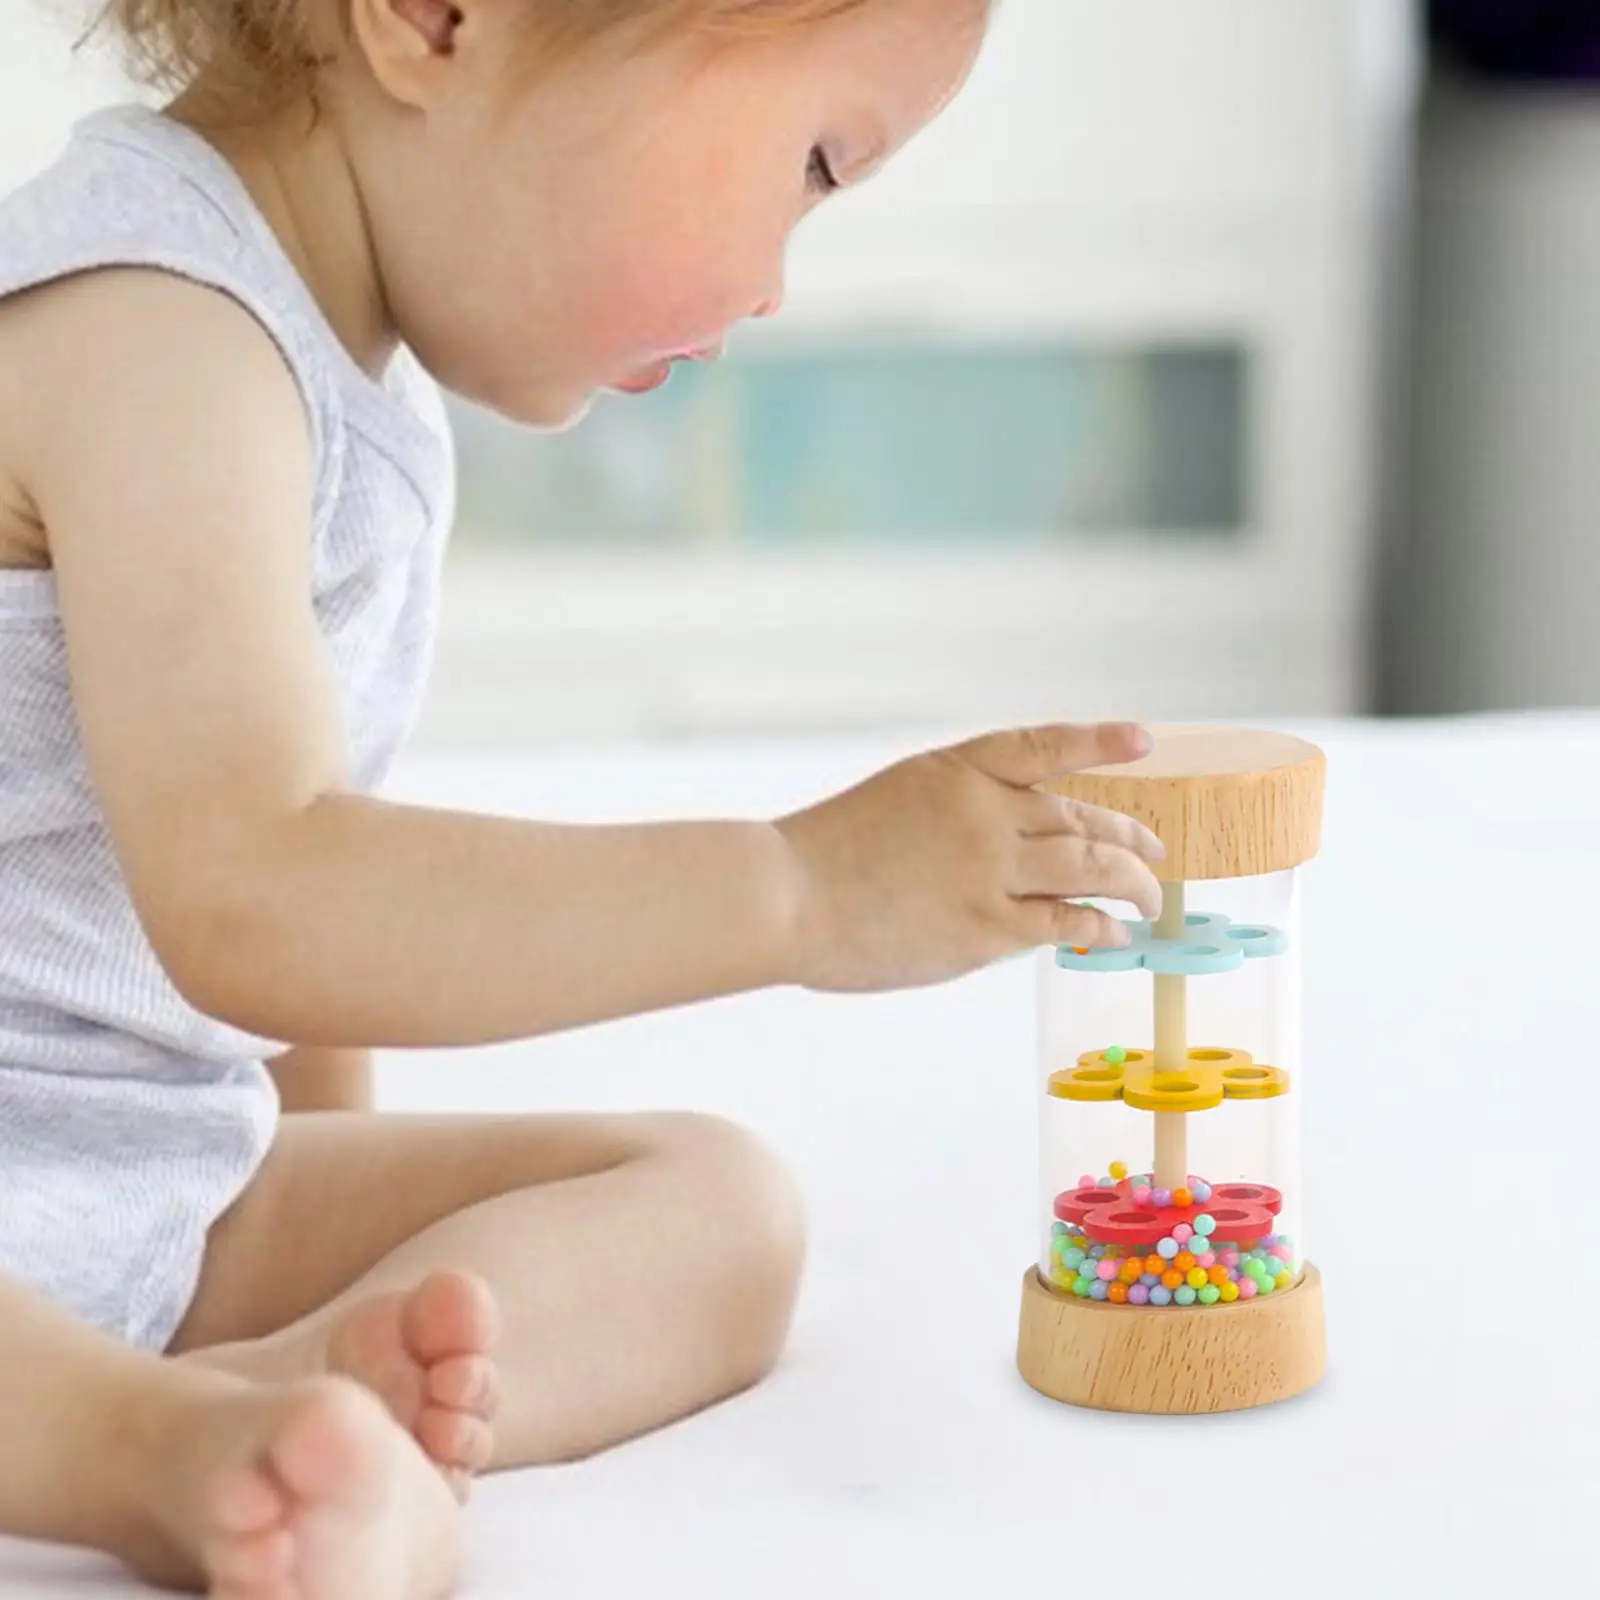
pixel 129 1121
pixel 80 988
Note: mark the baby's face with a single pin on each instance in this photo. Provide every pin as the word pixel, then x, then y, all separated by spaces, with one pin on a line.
pixel 539 244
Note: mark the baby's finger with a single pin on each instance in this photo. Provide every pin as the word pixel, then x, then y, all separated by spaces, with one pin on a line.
pixel 1063 922
pixel 1026 756
pixel 1063 867
pixel 1053 813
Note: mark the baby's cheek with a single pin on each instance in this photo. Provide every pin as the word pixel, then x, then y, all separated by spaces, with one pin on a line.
pixel 644 305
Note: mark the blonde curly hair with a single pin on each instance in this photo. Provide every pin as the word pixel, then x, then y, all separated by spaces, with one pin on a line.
pixel 240 58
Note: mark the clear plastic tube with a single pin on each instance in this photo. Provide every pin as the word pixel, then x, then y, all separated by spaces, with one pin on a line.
pixel 1170 1090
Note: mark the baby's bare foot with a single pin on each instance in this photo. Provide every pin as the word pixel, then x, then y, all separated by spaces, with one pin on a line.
pixel 308 1491
pixel 425 1352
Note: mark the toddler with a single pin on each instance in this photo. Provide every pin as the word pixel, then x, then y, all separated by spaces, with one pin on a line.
pixel 255 1340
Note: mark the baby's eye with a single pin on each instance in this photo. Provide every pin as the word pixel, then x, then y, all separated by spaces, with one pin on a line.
pixel 819 175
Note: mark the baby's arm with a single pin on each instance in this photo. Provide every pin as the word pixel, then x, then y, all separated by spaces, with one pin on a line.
pixel 166 447
pixel 164 444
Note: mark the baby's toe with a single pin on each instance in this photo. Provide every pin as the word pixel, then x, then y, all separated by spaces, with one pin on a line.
pixel 466 1383
pixel 456 1439
pixel 449 1314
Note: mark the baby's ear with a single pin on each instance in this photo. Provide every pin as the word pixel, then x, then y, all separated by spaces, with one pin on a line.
pixel 409 44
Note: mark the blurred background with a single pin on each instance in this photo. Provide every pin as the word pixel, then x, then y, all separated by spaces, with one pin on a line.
pixel 1238 359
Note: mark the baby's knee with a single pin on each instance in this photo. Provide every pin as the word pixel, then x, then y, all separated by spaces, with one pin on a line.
pixel 746 1200
pixel 745 1180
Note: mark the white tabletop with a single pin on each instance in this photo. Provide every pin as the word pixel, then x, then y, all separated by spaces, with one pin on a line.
pixel 1454 1449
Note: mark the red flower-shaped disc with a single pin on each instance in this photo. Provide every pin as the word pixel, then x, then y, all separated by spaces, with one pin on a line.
pixel 1241 1211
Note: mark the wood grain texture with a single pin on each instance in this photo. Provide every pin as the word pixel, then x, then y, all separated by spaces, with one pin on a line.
pixel 1178 1360
pixel 1226 802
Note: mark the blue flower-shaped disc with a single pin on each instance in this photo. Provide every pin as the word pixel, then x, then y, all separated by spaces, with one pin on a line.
pixel 1210 943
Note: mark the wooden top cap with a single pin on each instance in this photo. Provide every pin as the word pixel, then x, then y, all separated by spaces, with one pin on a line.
pixel 1226 802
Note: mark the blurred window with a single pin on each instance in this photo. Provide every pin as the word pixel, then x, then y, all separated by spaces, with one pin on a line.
pixel 884 441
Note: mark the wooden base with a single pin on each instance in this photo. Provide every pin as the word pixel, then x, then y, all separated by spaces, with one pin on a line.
pixel 1178 1360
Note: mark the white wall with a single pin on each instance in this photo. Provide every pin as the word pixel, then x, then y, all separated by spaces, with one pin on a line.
pixel 44 85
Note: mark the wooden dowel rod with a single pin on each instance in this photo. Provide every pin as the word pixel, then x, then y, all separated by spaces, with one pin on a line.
pixel 1172 1048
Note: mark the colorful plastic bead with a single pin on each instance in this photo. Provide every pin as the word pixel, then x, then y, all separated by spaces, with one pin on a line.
pixel 1087 1181
pixel 1210 1295
pixel 1116 1055
pixel 1160 1296
pixel 1194 1256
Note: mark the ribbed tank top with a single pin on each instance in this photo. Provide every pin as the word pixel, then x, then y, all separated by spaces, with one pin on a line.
pixel 81 991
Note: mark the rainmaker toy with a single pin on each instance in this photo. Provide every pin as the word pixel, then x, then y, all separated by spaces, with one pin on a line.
pixel 1172 1275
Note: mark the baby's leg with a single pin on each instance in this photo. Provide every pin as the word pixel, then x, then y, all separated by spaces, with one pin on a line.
pixel 643 1266
pixel 205 1481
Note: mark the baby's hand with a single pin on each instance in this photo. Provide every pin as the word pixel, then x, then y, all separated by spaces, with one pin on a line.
pixel 952 859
